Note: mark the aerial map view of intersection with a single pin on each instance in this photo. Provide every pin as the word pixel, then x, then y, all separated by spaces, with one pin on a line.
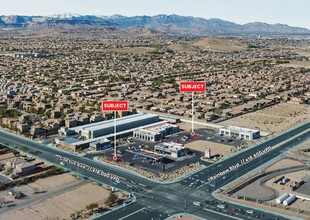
pixel 155 110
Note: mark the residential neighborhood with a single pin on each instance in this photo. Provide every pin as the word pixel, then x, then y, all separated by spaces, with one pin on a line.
pixel 48 84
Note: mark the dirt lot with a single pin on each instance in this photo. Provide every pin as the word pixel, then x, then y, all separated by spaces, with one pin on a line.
pixel 185 217
pixel 301 149
pixel 218 44
pixel 285 163
pixel 216 148
pixel 275 119
pixel 304 52
pixel 188 126
pixel 297 64
pixel 183 48
pixel 52 182
pixel 60 207
pixel 134 50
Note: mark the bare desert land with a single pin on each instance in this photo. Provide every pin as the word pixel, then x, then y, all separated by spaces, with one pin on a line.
pixel 185 217
pixel 60 206
pixel 53 181
pixel 285 163
pixel 274 119
pixel 133 50
pixel 297 64
pixel 217 44
pixel 216 148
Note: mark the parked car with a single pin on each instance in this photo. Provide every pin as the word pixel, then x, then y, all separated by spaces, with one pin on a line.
pixel 185 138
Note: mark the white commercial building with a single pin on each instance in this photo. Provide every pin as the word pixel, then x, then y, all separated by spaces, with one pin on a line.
pixel 103 128
pixel 171 149
pixel 245 133
pixel 155 132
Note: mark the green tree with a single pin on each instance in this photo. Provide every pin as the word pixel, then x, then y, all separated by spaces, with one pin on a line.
pixel 199 108
pixel 92 206
pixel 189 106
pixel 218 111
pixel 111 200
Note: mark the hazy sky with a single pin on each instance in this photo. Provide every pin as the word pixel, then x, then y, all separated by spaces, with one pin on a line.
pixel 291 12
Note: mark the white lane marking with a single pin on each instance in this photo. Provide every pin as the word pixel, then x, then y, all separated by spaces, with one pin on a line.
pixel 132 213
pixel 220 213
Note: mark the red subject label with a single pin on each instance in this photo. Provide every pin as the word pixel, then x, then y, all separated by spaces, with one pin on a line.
pixel 192 86
pixel 115 105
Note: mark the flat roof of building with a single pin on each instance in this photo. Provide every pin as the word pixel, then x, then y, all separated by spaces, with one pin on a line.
pixel 236 129
pixel 110 123
pixel 159 127
pixel 87 141
pixel 102 140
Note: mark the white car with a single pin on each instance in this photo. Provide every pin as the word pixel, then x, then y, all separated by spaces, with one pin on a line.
pixel 250 212
pixel 221 206
pixel 197 203
pixel 62 163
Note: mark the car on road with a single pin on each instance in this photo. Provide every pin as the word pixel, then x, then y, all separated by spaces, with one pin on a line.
pixel 62 163
pixel 221 206
pixel 249 211
pixel 127 202
pixel 197 203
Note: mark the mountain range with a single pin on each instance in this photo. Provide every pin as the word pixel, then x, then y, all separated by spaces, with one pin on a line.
pixel 168 24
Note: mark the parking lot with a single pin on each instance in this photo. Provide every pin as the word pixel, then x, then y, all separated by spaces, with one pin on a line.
pixel 163 165
pixel 126 147
pixel 204 134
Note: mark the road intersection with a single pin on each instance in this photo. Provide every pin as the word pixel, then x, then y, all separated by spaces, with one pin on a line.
pixel 155 200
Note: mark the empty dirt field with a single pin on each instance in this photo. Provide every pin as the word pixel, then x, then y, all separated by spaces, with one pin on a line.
pixel 219 44
pixel 216 148
pixel 284 163
pixel 297 64
pixel 303 149
pixel 133 50
pixel 61 206
pixel 52 182
pixel 184 217
pixel 275 119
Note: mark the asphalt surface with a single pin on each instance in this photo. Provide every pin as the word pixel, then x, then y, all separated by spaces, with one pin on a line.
pixel 158 201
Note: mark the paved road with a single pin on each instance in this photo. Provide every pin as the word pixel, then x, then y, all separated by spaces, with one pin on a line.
pixel 161 200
